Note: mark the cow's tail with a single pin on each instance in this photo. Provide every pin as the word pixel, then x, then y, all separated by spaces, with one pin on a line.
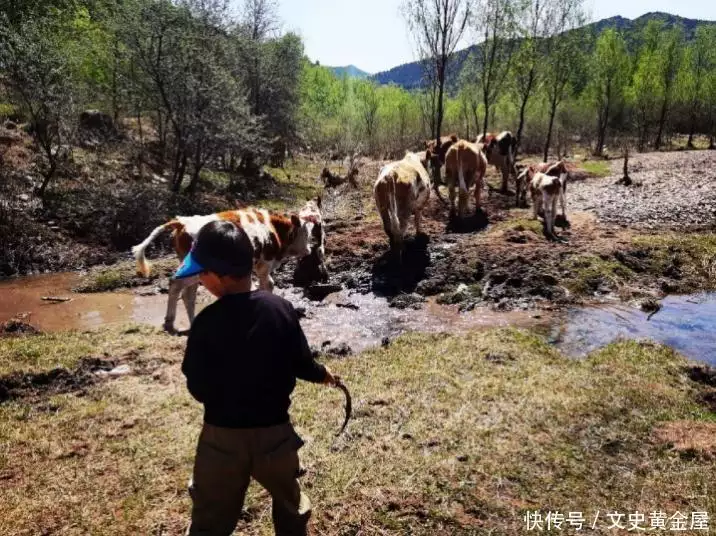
pixel 143 267
pixel 390 180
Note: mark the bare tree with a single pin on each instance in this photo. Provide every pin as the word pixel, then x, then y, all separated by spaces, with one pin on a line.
pixel 527 65
pixel 437 27
pixel 496 25
pixel 563 57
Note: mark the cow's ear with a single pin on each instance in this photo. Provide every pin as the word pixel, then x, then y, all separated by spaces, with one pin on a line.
pixel 295 220
pixel 453 138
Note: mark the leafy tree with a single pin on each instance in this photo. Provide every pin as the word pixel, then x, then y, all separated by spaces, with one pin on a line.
pixel 368 103
pixel 37 72
pixel 670 50
pixel 185 54
pixel 699 63
pixel 562 62
pixel 610 71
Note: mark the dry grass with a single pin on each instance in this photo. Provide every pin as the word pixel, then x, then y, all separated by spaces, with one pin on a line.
pixel 450 435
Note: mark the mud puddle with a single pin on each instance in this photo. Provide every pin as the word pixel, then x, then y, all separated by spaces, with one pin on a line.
pixel 344 322
pixel 361 321
pixel 348 322
pixel 686 323
pixel 23 298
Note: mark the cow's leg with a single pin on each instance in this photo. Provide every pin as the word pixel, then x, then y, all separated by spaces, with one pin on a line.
pixel 176 286
pixel 519 194
pixel 417 221
pixel 536 202
pixel 478 195
pixel 451 190
pixel 547 206
pixel 563 202
pixel 188 295
pixel 505 178
pixel 263 271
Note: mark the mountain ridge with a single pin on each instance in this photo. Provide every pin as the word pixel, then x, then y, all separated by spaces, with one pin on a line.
pixel 351 71
pixel 409 75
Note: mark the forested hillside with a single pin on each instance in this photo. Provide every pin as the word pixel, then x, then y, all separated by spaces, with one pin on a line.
pixel 411 75
pixel 153 106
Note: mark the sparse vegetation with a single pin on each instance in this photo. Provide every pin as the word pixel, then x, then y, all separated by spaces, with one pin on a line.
pixel 469 434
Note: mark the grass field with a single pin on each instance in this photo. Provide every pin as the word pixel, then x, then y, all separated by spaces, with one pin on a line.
pixel 450 435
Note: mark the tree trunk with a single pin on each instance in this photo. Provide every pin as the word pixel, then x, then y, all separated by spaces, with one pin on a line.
pixel 487 113
pixel 197 169
pixel 523 109
pixel 692 130
pixel 47 178
pixel 441 89
pixel 552 113
pixel 477 120
pixel 662 120
pixel 603 122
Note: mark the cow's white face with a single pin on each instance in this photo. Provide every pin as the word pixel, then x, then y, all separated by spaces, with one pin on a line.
pixel 311 238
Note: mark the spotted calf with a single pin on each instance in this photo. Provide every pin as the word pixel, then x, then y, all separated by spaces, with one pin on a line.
pixel 275 237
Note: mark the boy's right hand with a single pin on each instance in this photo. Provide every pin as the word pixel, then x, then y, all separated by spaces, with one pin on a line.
pixel 331 379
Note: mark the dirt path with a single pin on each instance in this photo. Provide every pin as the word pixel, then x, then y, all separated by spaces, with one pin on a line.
pixel 670 190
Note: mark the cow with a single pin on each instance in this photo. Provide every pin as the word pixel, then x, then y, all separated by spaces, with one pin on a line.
pixel 402 189
pixel 546 188
pixel 438 151
pixel 553 169
pixel 500 150
pixel 465 165
pixel 275 237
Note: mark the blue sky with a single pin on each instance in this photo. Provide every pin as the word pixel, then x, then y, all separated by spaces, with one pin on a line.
pixel 372 35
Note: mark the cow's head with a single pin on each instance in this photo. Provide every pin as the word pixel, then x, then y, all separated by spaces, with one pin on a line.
pixel 560 171
pixel 490 147
pixel 437 149
pixel 310 235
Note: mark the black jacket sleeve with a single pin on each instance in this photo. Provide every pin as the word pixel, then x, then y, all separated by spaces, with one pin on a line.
pixel 197 361
pixel 306 368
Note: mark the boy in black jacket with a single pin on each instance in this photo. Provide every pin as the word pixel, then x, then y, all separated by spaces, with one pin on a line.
pixel 242 359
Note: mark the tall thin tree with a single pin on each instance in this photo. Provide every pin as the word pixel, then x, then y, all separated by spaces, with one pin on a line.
pixel 437 27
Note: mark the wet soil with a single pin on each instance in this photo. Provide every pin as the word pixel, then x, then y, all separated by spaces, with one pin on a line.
pixel 53 382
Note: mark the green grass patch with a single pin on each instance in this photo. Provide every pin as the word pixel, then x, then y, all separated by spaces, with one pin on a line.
pixel 692 255
pixel 467 432
pixel 585 273
pixel 519 224
pixel 597 168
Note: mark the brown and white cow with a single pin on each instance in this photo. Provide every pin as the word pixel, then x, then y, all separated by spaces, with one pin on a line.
pixel 553 169
pixel 275 236
pixel 438 151
pixel 401 190
pixel 465 166
pixel 500 150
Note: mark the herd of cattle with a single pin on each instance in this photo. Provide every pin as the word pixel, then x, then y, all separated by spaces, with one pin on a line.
pixel 403 187
pixel 401 190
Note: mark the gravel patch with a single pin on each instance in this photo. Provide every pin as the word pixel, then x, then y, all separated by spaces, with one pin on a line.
pixel 669 190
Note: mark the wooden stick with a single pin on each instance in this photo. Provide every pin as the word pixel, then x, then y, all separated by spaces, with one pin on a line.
pixel 56 299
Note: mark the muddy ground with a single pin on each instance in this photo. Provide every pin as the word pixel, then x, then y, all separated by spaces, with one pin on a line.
pixel 620 242
pixel 500 256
